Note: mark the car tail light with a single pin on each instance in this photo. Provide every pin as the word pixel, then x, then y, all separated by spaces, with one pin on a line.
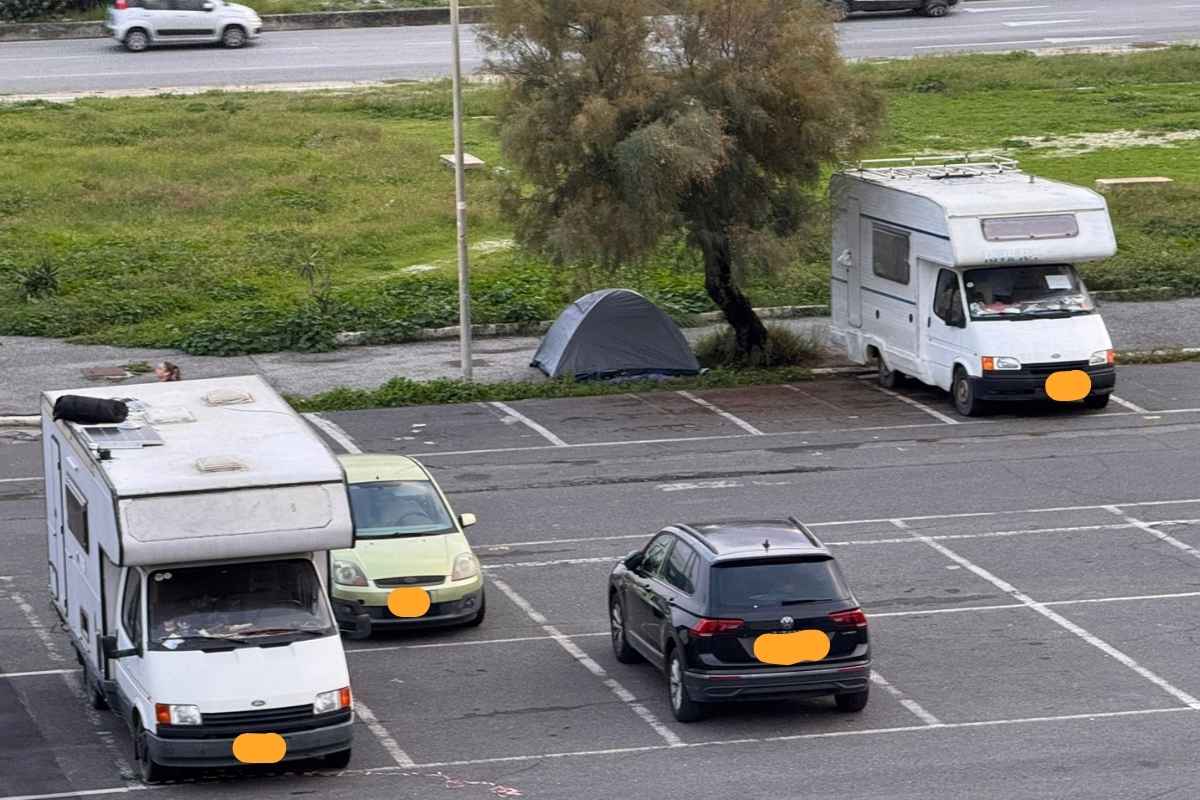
pixel 708 627
pixel 120 5
pixel 854 618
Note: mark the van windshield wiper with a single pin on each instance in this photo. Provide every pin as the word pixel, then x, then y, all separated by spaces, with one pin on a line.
pixel 278 631
pixel 191 637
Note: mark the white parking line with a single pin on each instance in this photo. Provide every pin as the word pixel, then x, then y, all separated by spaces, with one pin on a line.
pixel 1058 619
pixel 19 480
pixel 741 423
pixel 624 695
pixel 933 412
pixel 1132 407
pixel 538 428
pixel 84 792
pixel 335 432
pixel 1151 528
pixel 467 643
pixel 373 724
pixel 912 705
pixel 38 672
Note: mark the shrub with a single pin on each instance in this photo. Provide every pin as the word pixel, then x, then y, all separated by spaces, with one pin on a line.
pixel 785 348
pixel 22 10
pixel 40 280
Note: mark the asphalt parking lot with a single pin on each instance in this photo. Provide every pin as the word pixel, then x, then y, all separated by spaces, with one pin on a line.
pixel 1030 578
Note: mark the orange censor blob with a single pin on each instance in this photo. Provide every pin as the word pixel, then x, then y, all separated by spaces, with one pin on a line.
pixel 1066 387
pixel 786 649
pixel 259 748
pixel 409 601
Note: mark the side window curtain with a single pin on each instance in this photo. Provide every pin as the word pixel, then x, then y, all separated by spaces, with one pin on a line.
pixel 889 254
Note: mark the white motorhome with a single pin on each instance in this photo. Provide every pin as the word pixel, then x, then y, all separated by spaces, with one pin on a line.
pixel 959 272
pixel 188 555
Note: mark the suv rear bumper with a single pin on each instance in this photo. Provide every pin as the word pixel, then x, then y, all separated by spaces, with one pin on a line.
pixel 764 684
pixel 219 752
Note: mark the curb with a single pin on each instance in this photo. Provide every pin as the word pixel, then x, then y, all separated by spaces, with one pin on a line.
pixel 388 18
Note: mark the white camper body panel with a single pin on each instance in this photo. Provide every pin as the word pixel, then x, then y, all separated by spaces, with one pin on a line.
pixel 925 220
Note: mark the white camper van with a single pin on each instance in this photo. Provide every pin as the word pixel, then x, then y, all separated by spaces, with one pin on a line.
pixel 188 554
pixel 961 273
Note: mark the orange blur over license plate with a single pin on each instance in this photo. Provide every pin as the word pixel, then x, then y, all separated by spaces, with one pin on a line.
pixel 786 649
pixel 1067 387
pixel 259 748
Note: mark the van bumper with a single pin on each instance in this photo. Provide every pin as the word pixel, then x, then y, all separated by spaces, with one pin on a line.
pixel 1021 386
pixel 768 683
pixel 219 752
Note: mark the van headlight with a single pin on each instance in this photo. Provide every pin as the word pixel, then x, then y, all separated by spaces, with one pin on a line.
pixel 1001 363
pixel 1103 358
pixel 347 573
pixel 466 565
pixel 334 700
pixel 166 714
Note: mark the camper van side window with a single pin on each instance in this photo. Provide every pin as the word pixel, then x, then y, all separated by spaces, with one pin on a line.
pixel 131 607
pixel 77 520
pixel 890 254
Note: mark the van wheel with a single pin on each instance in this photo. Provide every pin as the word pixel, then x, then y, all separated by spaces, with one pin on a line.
pixel 149 770
pixel 889 378
pixel 233 37
pixel 338 760
pixel 683 707
pixel 1096 401
pixel 853 702
pixel 936 8
pixel 965 400
pixel 136 40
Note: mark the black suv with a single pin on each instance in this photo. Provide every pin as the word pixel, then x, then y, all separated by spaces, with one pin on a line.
pixel 694 601
pixel 930 8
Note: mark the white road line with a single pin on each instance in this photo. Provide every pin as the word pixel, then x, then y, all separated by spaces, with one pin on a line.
pixel 912 705
pixel 467 643
pixel 38 672
pixel 1150 528
pixel 1081 39
pixel 84 792
pixel 979 514
pixel 1058 619
pixel 373 724
pixel 619 751
pixel 933 412
pixel 39 629
pixel 1028 23
pixel 1002 8
pixel 19 480
pixel 335 432
pixel 741 423
pixel 551 563
pixel 527 422
pixel 1132 407
pixel 1010 606
pixel 623 694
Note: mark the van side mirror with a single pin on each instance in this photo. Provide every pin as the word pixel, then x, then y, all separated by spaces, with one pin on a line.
pixel 108 645
pixel 467 520
pixel 633 560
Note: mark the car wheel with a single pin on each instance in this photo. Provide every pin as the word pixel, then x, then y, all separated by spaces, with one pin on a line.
pixel 234 36
pixel 1096 401
pixel 149 770
pixel 936 8
pixel 683 707
pixel 338 760
pixel 853 702
pixel 477 620
pixel 964 395
pixel 136 40
pixel 616 623
pixel 840 9
pixel 889 378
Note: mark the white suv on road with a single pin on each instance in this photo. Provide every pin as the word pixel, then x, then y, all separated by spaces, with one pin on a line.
pixel 137 24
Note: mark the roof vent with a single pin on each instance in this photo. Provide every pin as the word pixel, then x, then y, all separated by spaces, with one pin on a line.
pixel 168 416
pixel 219 464
pixel 228 397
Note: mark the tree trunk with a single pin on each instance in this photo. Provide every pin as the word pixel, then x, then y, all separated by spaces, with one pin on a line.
pixel 748 329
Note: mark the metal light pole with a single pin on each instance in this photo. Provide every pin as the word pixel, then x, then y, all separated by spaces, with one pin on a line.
pixel 460 201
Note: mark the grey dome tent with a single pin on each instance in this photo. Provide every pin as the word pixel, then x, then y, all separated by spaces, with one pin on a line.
pixel 614 332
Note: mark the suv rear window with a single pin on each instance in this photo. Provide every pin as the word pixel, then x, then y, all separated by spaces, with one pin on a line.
pixel 767 583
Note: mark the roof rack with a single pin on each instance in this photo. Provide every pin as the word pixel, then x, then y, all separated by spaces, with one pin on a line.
pixel 937 167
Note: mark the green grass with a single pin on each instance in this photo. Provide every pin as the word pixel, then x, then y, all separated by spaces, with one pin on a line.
pixel 181 221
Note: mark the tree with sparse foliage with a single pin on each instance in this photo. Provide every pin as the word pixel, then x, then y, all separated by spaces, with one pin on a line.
pixel 631 121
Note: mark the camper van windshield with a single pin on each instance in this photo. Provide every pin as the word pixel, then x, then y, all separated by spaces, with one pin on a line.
pixel 1036 292
pixel 245 604
pixel 397 508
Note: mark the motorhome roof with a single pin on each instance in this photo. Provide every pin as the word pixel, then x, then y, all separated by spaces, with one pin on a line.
pixel 982 192
pixel 224 441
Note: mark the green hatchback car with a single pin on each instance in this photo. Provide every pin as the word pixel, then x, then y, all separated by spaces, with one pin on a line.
pixel 406 537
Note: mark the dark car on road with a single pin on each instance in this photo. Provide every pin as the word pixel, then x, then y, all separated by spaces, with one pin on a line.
pixel 696 600
pixel 929 8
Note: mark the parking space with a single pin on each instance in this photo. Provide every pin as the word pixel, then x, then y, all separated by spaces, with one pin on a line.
pixel 1159 387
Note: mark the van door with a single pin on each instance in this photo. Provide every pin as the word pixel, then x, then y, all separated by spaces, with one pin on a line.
pixel 129 672
pixel 945 327
pixel 850 221
pixel 81 576
pixel 57 553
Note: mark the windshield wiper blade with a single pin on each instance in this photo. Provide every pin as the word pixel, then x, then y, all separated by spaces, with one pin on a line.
pixel 279 631
pixel 175 637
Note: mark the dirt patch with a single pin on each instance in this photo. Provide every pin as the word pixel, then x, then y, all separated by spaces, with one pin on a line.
pixel 1080 143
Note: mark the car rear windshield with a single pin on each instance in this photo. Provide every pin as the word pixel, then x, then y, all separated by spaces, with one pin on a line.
pixel 773 583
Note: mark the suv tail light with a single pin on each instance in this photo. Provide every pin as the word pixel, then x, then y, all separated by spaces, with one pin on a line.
pixel 854 618
pixel 708 627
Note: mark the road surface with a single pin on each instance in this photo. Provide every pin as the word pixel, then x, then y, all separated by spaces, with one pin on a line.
pixel 374 54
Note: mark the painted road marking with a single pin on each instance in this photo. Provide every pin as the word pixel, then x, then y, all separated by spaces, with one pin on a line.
pixel 1095 641
pixel 624 695
pixel 1151 528
pixel 1031 22
pixel 916 404
pixel 373 724
pixel 538 428
pixel 335 432
pixel 1122 402
pixel 741 423
pixel 19 480
pixel 912 705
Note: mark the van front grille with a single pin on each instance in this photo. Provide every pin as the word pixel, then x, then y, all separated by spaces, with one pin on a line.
pixel 230 724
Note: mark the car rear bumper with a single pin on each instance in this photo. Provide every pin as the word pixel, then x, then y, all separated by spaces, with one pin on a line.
pixel 219 752
pixel 1021 386
pixel 764 684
